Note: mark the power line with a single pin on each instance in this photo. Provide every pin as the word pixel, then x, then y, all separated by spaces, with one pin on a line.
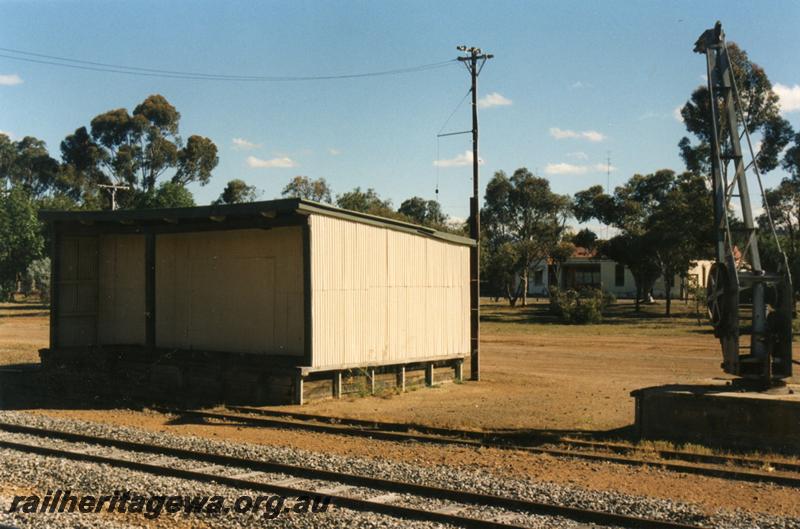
pixel 78 64
pixel 453 113
pixel 439 136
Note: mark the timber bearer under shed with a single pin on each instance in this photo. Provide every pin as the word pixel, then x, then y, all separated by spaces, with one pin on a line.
pixel 270 301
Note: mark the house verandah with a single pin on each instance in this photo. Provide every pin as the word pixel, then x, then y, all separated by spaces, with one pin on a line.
pixel 585 269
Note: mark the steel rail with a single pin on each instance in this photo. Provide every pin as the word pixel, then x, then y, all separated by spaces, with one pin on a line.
pixel 454 495
pixel 711 459
pixel 384 435
pixel 495 439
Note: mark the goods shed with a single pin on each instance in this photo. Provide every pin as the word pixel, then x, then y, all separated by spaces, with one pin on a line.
pixel 274 299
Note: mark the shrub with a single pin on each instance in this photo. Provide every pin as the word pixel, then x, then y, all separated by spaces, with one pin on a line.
pixel 37 278
pixel 582 306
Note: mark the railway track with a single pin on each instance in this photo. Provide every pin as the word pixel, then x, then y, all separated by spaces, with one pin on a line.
pixel 719 466
pixel 393 498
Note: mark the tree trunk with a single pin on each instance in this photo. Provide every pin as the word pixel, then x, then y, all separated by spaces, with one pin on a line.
pixel 638 295
pixel 524 286
pixel 668 282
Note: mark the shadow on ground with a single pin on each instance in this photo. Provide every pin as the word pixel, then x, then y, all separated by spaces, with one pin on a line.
pixel 29 386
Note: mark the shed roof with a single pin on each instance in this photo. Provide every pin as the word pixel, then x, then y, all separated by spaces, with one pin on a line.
pixel 256 210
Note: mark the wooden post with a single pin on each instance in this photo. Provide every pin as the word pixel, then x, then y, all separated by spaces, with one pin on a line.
pixel 298 389
pixel 429 374
pixel 308 337
pixel 55 286
pixel 458 371
pixel 401 378
pixel 150 289
pixel 371 374
pixel 337 384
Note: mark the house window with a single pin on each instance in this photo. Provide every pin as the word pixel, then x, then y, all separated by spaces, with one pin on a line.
pixel 619 275
pixel 586 276
pixel 538 278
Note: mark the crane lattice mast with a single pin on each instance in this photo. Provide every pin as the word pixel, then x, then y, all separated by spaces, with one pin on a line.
pixel 739 288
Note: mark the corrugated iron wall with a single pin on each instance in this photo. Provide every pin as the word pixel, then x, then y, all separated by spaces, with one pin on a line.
pixel 77 292
pixel 121 318
pixel 234 291
pixel 382 296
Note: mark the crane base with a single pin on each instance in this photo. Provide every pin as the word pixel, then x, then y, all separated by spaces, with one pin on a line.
pixel 720 414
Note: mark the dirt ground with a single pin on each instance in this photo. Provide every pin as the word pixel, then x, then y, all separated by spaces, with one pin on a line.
pixel 536 375
pixel 24 329
pixel 540 375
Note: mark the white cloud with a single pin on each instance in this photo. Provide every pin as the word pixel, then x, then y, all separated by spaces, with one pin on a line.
pixel 577 84
pixel 561 134
pixel 493 100
pixel 10 79
pixel 455 222
pixel 591 135
pixel 241 144
pixel 602 167
pixel 575 169
pixel 334 152
pixel 565 168
pixel 578 155
pixel 676 113
pixel 10 135
pixel 259 163
pixel 460 160
pixel 789 97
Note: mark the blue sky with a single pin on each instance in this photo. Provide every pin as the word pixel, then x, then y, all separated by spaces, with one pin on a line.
pixel 578 79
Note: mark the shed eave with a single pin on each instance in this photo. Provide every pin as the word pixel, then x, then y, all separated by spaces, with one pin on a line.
pixel 316 208
pixel 262 210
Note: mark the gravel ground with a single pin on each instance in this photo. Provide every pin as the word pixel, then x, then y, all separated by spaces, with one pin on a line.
pixel 42 473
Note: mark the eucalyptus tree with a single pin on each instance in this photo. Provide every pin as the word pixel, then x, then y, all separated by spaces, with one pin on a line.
pixel 523 218
pixel 665 223
pixel 237 192
pixel 303 187
pixel 422 211
pixel 137 149
pixel 761 111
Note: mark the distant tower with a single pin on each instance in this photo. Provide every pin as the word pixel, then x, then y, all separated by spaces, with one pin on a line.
pixel 608 180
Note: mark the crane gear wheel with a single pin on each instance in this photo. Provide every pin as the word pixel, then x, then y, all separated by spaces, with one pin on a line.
pixel 721 297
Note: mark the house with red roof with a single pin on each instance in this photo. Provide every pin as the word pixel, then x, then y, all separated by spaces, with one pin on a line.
pixel 585 268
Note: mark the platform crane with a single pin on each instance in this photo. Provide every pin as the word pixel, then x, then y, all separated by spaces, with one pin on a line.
pixel 738 275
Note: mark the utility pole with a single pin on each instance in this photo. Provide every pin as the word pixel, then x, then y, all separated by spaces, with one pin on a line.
pixel 113 188
pixel 474 61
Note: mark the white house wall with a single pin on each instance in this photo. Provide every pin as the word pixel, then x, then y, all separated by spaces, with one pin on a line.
pixel 380 296
pixel 608 279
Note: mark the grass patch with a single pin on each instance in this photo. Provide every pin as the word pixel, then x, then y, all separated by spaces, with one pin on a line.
pixel 620 319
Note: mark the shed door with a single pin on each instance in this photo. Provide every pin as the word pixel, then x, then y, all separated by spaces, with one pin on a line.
pixel 217 291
